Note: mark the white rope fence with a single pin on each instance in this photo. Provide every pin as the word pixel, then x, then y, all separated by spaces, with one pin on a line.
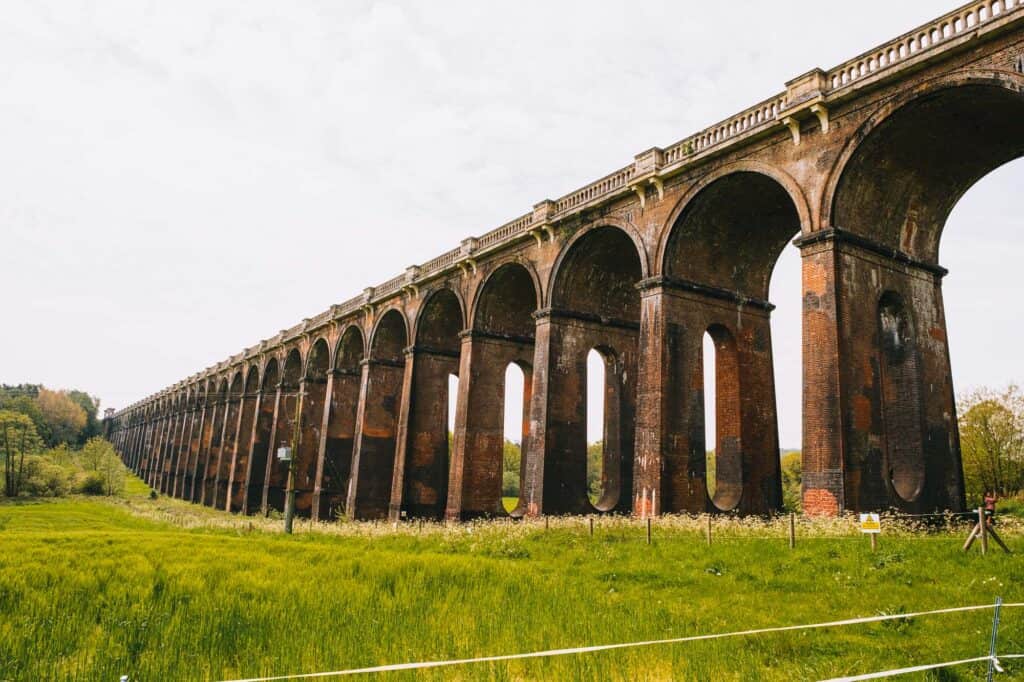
pixel 921 668
pixel 422 665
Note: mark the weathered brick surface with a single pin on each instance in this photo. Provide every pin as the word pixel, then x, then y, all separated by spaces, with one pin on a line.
pixel 863 162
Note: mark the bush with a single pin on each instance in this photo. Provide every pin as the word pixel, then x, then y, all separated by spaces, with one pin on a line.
pixel 510 484
pixel 92 483
pixel 44 478
pixel 791 479
pixel 96 469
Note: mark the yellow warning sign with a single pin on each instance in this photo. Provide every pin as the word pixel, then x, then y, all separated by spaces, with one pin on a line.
pixel 870 523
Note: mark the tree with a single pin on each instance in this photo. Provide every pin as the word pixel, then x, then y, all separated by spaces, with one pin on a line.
pixel 595 469
pixel 792 476
pixel 64 418
pixel 93 453
pixel 23 399
pixel 17 437
pixel 512 456
pixel 992 441
pixel 91 405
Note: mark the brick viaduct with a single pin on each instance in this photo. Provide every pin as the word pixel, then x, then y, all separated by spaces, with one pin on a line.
pixel 859 166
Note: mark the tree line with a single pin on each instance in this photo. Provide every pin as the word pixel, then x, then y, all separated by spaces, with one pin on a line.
pixel 50 444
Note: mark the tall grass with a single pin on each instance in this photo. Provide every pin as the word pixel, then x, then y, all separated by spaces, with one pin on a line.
pixel 161 590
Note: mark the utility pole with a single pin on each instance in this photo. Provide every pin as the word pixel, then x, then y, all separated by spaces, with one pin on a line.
pixel 289 501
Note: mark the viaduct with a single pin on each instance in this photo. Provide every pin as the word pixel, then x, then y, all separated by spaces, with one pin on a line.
pixel 858 166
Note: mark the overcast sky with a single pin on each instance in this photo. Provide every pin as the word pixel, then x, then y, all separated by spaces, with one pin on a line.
pixel 180 180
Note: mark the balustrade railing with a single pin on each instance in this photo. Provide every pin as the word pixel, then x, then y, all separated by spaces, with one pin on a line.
pixel 922 39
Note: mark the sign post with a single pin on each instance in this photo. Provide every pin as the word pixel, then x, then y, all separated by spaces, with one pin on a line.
pixel 871 524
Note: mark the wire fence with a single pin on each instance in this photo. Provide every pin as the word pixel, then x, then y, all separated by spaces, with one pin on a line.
pixel 991 656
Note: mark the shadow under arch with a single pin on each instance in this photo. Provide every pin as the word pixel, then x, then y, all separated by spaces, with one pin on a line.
pixel 226 458
pixel 263 430
pixel 215 442
pixel 311 404
pixel 283 433
pixel 173 440
pixel 502 332
pixel 595 304
pixel 247 419
pixel 188 488
pixel 887 203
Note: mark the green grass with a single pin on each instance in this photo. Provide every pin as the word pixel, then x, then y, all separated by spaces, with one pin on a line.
pixel 161 590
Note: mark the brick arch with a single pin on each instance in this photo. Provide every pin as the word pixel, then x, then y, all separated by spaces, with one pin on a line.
pixel 438 323
pixel 569 248
pixel 902 172
pixel 318 360
pixel 487 315
pixel 388 336
pixel 787 181
pixel 600 286
pixel 252 378
pixel 343 347
pixel 292 367
pixel 221 384
pixel 237 384
pixel 270 374
pixel 728 231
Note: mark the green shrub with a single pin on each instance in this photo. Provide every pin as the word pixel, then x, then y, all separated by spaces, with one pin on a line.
pixel 510 484
pixel 91 483
pixel 44 478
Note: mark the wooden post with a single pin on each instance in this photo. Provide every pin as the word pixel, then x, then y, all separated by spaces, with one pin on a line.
pixel 591 526
pixel 984 530
pixel 545 523
pixel 709 530
pixel 648 530
pixel 874 541
pixel 792 530
pixel 971 537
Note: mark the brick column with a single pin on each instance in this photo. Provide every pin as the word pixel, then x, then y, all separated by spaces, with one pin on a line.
pixel 557 466
pixel 243 447
pixel 373 463
pixel 284 423
pixel 229 453
pixel 268 461
pixel 194 451
pixel 321 446
pixel 167 483
pixel 313 400
pixel 879 419
pixel 252 468
pixel 337 442
pixel 478 443
pixel 178 487
pixel 422 459
pixel 208 451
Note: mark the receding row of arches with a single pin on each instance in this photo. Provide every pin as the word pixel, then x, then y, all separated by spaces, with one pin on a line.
pixel 414 421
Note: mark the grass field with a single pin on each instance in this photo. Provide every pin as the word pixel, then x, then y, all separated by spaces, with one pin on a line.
pixel 161 590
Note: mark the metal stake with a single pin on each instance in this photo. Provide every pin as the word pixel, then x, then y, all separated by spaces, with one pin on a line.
pixel 992 641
